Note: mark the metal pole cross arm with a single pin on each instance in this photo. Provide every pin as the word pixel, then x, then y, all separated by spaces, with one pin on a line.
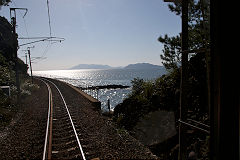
pixel 13 9
pixel 44 39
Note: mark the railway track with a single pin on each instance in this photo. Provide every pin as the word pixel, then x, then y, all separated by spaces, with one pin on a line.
pixel 62 134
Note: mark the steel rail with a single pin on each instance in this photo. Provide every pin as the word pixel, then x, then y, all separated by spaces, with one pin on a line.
pixel 75 132
pixel 48 120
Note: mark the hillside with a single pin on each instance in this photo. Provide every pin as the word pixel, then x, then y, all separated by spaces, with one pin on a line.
pixel 91 66
pixel 143 66
pixel 130 66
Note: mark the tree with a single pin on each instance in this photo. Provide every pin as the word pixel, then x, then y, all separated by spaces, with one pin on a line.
pixel 199 38
pixel 171 52
pixel 4 2
pixel 7 58
pixel 198 26
pixel 199 32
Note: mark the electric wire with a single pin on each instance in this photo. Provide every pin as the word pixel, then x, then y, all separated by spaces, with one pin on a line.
pixel 48 46
pixel 42 57
pixel 50 42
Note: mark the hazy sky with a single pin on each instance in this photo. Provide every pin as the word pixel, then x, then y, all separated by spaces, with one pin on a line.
pixel 112 32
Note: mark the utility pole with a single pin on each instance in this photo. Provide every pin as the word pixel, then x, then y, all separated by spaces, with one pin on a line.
pixel 29 56
pixel 15 45
pixel 26 57
pixel 184 79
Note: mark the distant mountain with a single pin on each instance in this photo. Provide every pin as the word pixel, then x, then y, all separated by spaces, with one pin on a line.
pixel 130 66
pixel 143 66
pixel 91 66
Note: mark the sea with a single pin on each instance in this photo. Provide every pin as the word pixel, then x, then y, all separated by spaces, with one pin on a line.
pixel 98 77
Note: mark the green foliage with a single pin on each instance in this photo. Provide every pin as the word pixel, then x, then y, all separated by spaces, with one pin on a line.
pixel 8 105
pixel 198 28
pixel 168 90
pixel 148 96
pixel 171 52
pixel 4 2
pixel 6 72
pixel 7 55
pixel 137 85
pixel 199 31
pixel 27 87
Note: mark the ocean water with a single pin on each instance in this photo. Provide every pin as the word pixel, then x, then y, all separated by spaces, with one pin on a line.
pixel 94 77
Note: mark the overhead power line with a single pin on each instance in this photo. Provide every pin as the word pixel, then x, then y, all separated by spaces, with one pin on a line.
pixel 39 38
pixel 43 39
pixel 49 39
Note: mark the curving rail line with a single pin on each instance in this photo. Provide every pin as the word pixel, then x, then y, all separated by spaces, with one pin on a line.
pixel 48 119
pixel 60 127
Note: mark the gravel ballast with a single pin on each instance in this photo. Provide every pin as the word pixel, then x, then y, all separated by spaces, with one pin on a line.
pixel 24 139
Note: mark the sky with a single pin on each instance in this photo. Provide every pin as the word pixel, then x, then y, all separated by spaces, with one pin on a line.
pixel 109 32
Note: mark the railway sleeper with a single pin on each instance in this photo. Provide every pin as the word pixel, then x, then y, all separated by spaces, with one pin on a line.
pixel 69 137
pixel 64 146
pixel 63 117
pixel 63 134
pixel 61 124
pixel 65 154
pixel 66 127
pixel 64 143
pixel 77 156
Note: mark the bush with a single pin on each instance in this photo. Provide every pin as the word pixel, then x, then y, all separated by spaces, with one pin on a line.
pixel 147 96
pixel 27 88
